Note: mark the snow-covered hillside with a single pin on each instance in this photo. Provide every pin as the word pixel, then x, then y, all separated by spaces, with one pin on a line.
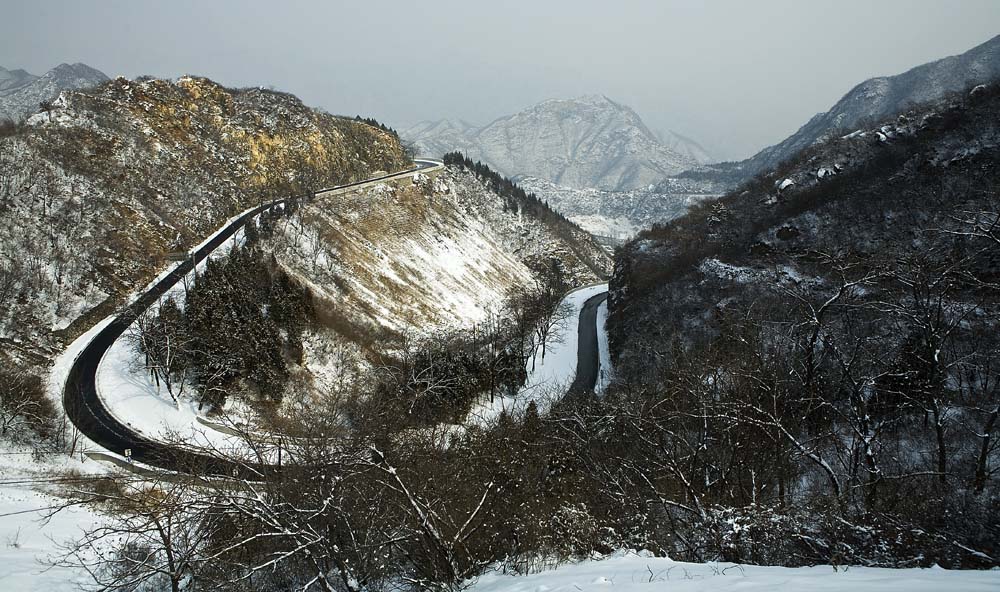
pixel 100 190
pixel 881 243
pixel 415 258
pixel 31 531
pixel 621 214
pixel 397 261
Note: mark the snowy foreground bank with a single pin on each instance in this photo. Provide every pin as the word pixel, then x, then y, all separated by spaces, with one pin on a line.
pixel 627 572
pixel 29 536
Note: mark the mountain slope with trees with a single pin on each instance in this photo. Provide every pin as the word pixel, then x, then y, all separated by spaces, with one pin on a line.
pixel 821 344
pixel 99 190
pixel 424 296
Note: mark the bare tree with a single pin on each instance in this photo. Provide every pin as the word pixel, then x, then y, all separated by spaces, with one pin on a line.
pixel 550 308
pixel 47 107
pixel 23 405
pixel 161 337
pixel 156 536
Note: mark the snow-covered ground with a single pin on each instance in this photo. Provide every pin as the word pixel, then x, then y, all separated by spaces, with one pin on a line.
pixel 131 396
pixel 550 376
pixel 631 572
pixel 28 536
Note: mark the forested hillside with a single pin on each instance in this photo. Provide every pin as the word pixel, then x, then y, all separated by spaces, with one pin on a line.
pixel 356 282
pixel 821 344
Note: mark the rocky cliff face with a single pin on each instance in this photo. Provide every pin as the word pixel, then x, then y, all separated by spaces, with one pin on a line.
pixel 21 92
pixel 590 141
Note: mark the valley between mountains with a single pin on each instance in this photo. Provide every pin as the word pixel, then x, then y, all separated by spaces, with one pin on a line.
pixel 252 345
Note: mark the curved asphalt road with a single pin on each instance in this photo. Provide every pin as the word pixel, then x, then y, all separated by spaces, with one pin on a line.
pixel 85 407
pixel 587 354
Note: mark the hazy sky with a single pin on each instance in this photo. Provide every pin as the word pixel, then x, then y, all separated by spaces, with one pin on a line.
pixel 735 75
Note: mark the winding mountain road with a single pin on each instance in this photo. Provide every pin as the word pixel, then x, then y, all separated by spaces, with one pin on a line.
pixel 90 415
pixel 588 360
pixel 80 396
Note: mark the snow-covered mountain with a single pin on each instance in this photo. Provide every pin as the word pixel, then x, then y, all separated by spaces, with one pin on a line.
pixel 590 141
pixel 101 187
pixel 875 99
pixel 435 138
pixel 13 79
pixel 21 92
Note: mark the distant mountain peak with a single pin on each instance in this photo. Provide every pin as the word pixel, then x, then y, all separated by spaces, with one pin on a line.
pixel 17 72
pixel 21 92
pixel 591 98
pixel 586 141
pixel 12 79
pixel 588 100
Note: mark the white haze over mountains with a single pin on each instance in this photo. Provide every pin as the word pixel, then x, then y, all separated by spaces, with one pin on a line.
pixel 595 160
pixel 878 97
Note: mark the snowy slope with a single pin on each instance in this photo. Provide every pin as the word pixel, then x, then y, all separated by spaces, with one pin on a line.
pixel 28 535
pixel 27 540
pixel 620 214
pixel 422 256
pixel 123 174
pixel 631 572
